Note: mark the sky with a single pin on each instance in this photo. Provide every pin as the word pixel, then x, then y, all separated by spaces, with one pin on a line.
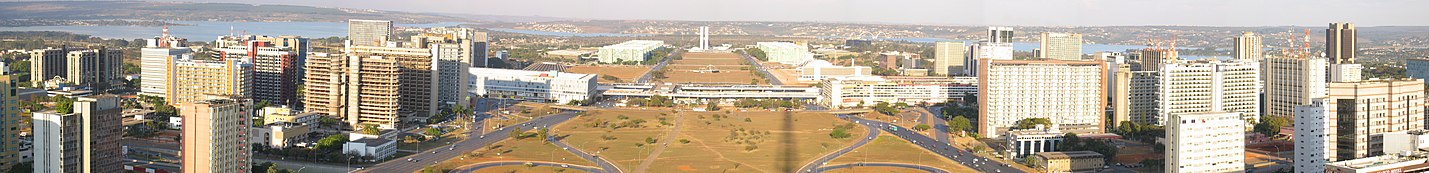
pixel 933 12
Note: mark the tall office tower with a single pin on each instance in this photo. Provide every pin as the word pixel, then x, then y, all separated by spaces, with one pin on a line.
pixel 1145 97
pixel 1291 82
pixel 1061 46
pixel 1364 111
pixel 1340 43
pixel 482 58
pixel 9 119
pixel 46 64
pixel 197 80
pixel 986 50
pixel 455 50
pixel 1248 46
pixel 1313 147
pixel 418 77
pixel 1120 87
pixel 1152 58
pixel 1417 67
pixel 155 61
pixel 704 38
pixel 999 34
pixel 276 68
pixel 1073 94
pixel 369 32
pixel 948 58
pixel 215 135
pixel 86 139
pixel 1205 142
pixel 1231 86
pixel 373 93
pixel 323 83
pixel 97 68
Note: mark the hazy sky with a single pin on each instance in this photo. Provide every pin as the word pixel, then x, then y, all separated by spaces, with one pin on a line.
pixel 937 12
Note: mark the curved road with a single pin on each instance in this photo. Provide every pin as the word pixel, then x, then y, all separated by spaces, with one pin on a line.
pixel 474 141
pixel 599 161
pixel 964 157
pixel 484 165
pixel 813 166
pixel 873 164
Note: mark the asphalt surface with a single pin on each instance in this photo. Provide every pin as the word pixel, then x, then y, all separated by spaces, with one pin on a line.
pixel 875 164
pixel 484 165
pixel 940 125
pixel 964 157
pixel 814 166
pixel 474 141
pixel 646 77
pixel 599 161
pixel 772 80
pixel 664 143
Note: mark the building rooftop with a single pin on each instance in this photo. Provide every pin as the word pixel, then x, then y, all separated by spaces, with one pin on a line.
pixel 781 45
pixel 371 141
pixel 1070 155
pixel 636 44
pixel 551 74
pixel 1384 162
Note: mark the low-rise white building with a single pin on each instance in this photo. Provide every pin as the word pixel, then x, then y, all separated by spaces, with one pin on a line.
pixel 1032 141
pixel 376 148
pixel 785 52
pixel 629 51
pixel 539 86
pixel 279 135
pixel 1388 163
pixel 853 91
pixel 1209 142
pixel 818 70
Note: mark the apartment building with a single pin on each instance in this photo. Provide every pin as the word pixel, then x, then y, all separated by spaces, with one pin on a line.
pixel 858 91
pixel 216 135
pixel 1292 81
pixel 195 80
pixel 277 64
pixel 85 139
pixel 1060 46
pixel 1231 86
pixel 1073 94
pixel 96 68
pixel 1365 110
pixel 155 60
pixel 1212 142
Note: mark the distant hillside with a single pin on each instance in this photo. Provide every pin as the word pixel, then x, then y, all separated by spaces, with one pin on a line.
pixel 184 11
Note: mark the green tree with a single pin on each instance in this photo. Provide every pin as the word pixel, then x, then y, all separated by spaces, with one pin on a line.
pixel 370 129
pixel 959 124
pixel 758 54
pixel 331 143
pixel 1270 125
pixel 921 127
pixel 64 105
pixel 433 132
pixel 1033 122
pixel 611 78
pixel 884 108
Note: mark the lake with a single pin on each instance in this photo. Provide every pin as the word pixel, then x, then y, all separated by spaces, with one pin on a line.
pixel 207 30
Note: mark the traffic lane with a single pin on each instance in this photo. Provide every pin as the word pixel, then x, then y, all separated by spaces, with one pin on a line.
pixel 436 155
pixel 484 165
pixel 880 164
pixel 599 161
pixel 811 166
pixel 963 157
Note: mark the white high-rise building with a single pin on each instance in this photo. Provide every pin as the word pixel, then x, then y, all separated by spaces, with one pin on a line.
pixel 704 38
pixel 1073 94
pixel 986 50
pixel 1063 46
pixel 156 59
pixel 1205 142
pixel 1249 47
pixel 1144 97
pixel 1313 145
pixel 948 58
pixel 1346 72
pixel 1291 82
pixel 1210 86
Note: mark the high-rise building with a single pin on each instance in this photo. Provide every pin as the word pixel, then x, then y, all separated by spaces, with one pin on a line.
pixel 456 50
pixel 948 58
pixel 194 80
pixel 1248 46
pixel 1072 94
pixel 1340 43
pixel 85 139
pixel 999 34
pixel 9 119
pixel 215 135
pixel 96 68
pixel 1313 147
pixel 418 76
pixel 277 65
pixel 1292 82
pixel 373 93
pixel 369 32
pixel 323 84
pixel 986 50
pixel 1209 142
pixel 1231 86
pixel 1061 46
pixel 1120 87
pixel 1145 96
pixel 155 61
pixel 1417 67
pixel 1151 58
pixel 1362 112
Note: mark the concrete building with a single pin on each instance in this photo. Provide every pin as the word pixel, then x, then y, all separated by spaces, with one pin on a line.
pixel 1119 85
pixel 1151 58
pixel 999 34
pixel 279 135
pixel 1346 72
pixel 97 68
pixel 629 51
pixel 1205 142
pixel 1340 46
pixel 986 50
pixel 276 68
pixel 1073 94
pixel 845 92
pixel 373 92
pixel 1366 110
pixel 1061 46
pixel 1145 97
pixel 1026 142
pixel 369 32
pixel 1231 86
pixel 46 64
pixel 1313 145
pixel 948 58
pixel 10 120
pixel 1291 82
pixel 215 135
pixel 417 80
pixel 537 86
pixel 1248 47
pixel 817 70
pixel 1391 163
pixel 193 80
pixel 323 84
pixel 785 52
pixel 455 50
pixel 1071 161
pixel 1406 141
pixel 1417 67
pixel 286 115
pixel 371 149
pixel 155 61
pixel 83 140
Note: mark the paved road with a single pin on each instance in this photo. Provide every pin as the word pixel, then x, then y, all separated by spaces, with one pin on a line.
pixel 474 141
pixel 599 161
pixel 940 125
pixel 484 165
pixel 963 157
pixel 772 80
pixel 645 78
pixel 664 143
pixel 812 166
pixel 879 164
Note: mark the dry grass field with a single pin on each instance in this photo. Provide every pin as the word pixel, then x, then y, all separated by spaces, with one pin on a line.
pixel 626 73
pixel 890 149
pixel 730 65
pixel 770 142
pixel 529 149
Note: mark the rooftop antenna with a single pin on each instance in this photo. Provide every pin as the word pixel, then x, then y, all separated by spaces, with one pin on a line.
pixel 230 30
pixel 164 39
pixel 1307 42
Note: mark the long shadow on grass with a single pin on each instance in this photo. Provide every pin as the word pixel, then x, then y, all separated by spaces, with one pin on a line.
pixel 788 141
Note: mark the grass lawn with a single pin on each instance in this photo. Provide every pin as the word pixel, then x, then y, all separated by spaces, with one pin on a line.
pixel 986 152
pixel 626 73
pixel 529 149
pixel 887 148
pixel 524 169
pixel 781 142
pixel 607 134
pixel 878 169
pixel 696 58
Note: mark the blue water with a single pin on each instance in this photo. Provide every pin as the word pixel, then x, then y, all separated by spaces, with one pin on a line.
pixel 562 34
pixel 1028 46
pixel 206 30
